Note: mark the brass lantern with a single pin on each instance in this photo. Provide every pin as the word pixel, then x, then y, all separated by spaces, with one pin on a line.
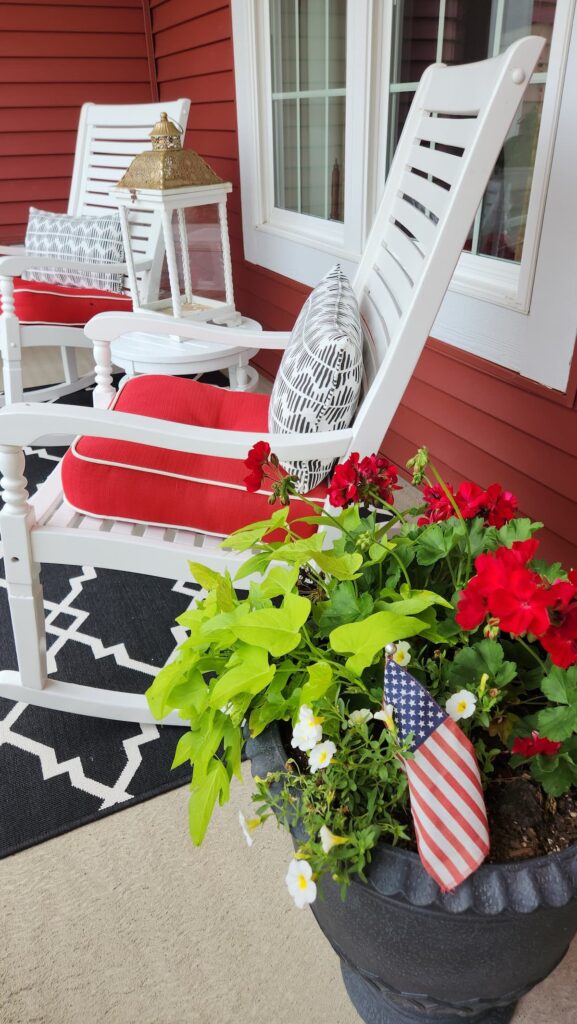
pixel 187 201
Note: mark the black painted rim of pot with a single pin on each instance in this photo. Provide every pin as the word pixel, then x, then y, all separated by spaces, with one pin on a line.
pixel 548 881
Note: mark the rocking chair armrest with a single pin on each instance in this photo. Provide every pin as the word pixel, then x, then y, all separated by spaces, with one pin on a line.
pixel 13 265
pixel 109 326
pixel 23 423
pixel 12 250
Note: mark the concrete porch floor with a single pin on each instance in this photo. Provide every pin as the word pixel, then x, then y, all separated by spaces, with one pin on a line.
pixel 123 921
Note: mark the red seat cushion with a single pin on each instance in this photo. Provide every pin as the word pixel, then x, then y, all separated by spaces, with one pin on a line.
pixel 123 480
pixel 36 302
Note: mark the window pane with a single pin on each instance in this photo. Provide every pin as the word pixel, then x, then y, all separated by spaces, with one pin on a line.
pixel 504 207
pixel 312 44
pixel 287 177
pixel 308 71
pixel 283 23
pixel 462 32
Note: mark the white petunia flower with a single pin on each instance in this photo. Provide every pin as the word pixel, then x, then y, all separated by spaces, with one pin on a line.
pixel 248 826
pixel 401 655
pixel 300 883
pixel 386 715
pixel 305 713
pixel 307 734
pixel 321 755
pixel 461 705
pixel 329 839
pixel 360 717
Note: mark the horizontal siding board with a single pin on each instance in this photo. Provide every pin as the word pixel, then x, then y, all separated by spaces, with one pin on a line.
pixel 213 88
pixel 15 120
pixel 58 94
pixel 202 61
pixel 212 143
pixel 74 69
pixel 557 469
pixel 536 415
pixel 12 167
pixel 60 44
pixel 168 13
pixel 72 18
pixel 203 32
pixel 34 191
pixel 37 143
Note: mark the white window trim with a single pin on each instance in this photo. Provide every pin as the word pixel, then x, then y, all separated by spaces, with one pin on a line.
pixel 299 247
pixel 494 309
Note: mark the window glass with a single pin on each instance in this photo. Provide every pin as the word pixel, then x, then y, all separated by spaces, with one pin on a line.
pixel 458 32
pixel 308 72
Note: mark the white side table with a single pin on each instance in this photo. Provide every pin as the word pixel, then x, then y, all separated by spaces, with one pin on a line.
pixel 138 353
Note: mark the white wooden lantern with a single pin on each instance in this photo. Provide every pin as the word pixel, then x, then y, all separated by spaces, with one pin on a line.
pixel 169 182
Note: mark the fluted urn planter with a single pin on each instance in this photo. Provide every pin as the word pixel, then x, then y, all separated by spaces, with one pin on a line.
pixel 410 953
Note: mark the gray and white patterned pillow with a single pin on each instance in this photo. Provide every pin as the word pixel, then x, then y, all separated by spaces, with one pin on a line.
pixel 319 379
pixel 86 239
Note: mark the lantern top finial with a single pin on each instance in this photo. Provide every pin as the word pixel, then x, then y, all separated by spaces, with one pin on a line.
pixel 165 134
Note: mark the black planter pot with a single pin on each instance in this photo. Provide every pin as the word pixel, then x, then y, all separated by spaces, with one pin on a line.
pixel 410 953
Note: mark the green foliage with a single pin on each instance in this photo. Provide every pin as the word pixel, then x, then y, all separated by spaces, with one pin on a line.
pixel 305 623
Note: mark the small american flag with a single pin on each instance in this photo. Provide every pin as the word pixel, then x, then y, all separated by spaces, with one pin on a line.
pixel 444 784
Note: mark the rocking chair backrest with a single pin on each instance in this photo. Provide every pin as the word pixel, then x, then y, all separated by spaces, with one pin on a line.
pixel 109 137
pixel 455 129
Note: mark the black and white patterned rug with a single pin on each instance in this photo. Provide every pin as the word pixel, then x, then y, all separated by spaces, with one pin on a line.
pixel 107 629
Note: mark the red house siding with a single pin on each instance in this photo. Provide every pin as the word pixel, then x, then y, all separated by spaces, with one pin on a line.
pixel 479 422
pixel 55 56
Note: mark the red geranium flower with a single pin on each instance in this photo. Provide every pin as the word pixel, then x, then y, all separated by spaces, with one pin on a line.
pixel 366 480
pixel 255 462
pixel 498 506
pixel 438 505
pixel 508 591
pixel 560 641
pixel 530 746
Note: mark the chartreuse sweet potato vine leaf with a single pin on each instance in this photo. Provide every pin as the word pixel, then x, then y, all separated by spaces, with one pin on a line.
pixel 205 790
pixel 277 630
pixel 318 682
pixel 559 686
pixel 370 636
pixel 415 602
pixel 244 539
pixel 248 671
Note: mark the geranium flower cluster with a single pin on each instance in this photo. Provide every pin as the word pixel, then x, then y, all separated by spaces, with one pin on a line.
pixel 495 505
pixel 363 480
pixel 520 601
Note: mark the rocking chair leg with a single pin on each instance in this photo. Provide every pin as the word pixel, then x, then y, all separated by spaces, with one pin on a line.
pixel 22 573
pixel 104 391
pixel 10 346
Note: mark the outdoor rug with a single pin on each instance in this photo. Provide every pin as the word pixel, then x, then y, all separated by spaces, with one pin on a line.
pixel 104 628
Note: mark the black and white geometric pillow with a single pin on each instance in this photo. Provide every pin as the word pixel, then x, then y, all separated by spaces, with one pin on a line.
pixel 319 379
pixel 86 239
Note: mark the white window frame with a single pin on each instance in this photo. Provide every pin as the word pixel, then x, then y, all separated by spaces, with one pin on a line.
pixel 297 246
pixel 495 309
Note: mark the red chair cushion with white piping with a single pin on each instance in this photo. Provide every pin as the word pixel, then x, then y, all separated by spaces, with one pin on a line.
pixel 36 302
pixel 123 480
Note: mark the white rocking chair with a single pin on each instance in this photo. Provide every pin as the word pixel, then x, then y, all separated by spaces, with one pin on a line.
pixel 108 139
pixel 430 200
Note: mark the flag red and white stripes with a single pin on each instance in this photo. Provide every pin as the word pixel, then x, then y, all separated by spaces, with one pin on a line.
pixel 447 801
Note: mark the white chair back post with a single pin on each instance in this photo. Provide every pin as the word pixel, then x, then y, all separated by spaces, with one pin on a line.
pixel 109 137
pixel 452 137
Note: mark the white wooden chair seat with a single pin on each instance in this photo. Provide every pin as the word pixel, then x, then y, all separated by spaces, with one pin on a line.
pixel 406 267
